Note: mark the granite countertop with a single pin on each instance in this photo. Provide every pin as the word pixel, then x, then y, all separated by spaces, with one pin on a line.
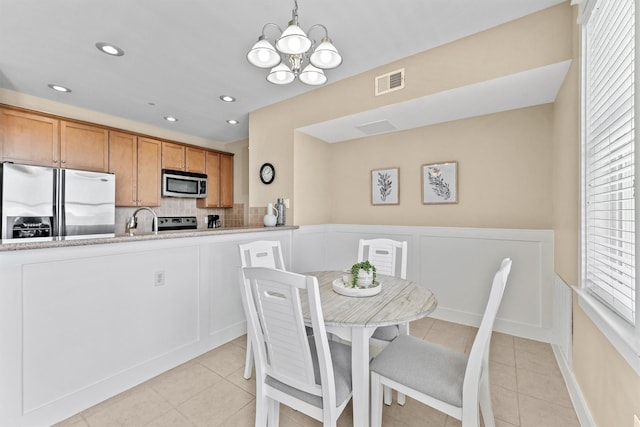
pixel 55 242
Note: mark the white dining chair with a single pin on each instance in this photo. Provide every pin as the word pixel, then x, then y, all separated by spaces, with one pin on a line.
pixel 444 379
pixel 261 253
pixel 307 373
pixel 383 254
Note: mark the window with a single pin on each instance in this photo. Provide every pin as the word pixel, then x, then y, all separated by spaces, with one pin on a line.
pixel 609 294
pixel 609 169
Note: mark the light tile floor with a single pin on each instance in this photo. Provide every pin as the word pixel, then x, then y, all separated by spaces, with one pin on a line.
pixel 526 385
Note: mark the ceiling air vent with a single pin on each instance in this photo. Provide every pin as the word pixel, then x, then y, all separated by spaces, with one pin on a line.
pixel 389 82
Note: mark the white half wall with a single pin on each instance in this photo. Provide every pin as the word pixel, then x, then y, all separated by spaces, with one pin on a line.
pixel 457 264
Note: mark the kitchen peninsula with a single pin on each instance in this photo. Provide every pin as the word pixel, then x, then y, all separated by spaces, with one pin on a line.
pixel 14 245
pixel 82 320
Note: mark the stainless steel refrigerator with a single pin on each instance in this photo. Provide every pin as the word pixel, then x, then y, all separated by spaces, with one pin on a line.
pixel 48 202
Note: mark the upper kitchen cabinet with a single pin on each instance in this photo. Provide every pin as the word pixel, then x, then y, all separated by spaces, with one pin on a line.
pixel 149 171
pixel 182 158
pixel 84 147
pixel 29 138
pixel 46 141
pixel 173 156
pixel 195 160
pixel 136 163
pixel 226 180
pixel 219 170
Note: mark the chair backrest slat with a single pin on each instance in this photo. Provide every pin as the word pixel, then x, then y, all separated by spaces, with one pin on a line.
pixel 383 253
pixel 287 346
pixel 262 253
pixel 277 320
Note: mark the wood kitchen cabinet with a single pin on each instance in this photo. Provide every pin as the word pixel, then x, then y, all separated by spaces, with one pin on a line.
pixel 173 156
pixel 195 160
pixel 182 158
pixel 136 163
pixel 84 147
pixel 226 180
pixel 46 141
pixel 29 138
pixel 219 170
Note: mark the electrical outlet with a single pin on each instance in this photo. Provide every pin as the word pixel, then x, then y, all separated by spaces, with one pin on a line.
pixel 158 278
pixel 636 421
pixel 286 203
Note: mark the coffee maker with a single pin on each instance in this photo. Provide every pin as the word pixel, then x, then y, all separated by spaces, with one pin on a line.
pixel 213 221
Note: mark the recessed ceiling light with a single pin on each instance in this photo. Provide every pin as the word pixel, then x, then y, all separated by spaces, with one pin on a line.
pixel 170 119
pixel 110 49
pixel 227 98
pixel 59 88
pixel 232 122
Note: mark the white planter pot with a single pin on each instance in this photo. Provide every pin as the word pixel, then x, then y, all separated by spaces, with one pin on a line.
pixel 364 279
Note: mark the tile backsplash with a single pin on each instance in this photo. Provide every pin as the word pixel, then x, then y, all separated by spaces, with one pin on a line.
pixel 176 206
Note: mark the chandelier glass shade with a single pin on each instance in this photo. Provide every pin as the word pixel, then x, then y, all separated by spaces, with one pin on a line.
pixel 295 54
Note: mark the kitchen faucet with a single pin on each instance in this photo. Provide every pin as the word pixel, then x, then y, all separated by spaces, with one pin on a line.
pixel 132 222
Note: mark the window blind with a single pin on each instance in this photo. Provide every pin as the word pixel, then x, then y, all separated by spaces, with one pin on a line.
pixel 609 218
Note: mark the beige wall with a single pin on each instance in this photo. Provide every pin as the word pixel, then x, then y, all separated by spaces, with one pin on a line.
pixel 314 179
pixel 504 172
pixel 610 386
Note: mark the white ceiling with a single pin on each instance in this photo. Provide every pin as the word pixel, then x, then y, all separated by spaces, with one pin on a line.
pixel 182 55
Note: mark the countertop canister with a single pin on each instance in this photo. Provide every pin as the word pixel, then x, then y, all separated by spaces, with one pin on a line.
pixel 280 212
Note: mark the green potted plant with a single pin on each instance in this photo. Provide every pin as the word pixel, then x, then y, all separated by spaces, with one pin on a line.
pixel 363 274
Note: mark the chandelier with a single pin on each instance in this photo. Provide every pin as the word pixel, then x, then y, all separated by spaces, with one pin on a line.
pixel 293 47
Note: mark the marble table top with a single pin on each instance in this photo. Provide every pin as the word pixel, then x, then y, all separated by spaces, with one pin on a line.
pixel 400 301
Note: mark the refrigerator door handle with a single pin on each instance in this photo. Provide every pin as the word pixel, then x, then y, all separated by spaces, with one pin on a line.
pixel 59 202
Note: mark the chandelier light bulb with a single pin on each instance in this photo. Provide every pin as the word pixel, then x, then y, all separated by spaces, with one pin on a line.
pixel 281 75
pixel 312 76
pixel 294 44
pixel 293 40
pixel 326 55
pixel 263 54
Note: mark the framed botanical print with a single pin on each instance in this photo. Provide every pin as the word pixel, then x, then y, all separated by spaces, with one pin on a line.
pixel 440 183
pixel 385 186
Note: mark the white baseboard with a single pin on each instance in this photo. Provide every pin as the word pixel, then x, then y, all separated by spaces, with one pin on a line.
pixel 575 393
pixel 504 326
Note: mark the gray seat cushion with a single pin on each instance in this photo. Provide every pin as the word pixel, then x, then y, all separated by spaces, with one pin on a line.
pixel 341 360
pixel 423 366
pixel 386 333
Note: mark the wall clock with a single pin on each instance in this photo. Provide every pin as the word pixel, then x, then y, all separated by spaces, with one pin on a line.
pixel 267 173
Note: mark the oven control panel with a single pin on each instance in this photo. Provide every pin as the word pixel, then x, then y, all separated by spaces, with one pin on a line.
pixel 166 223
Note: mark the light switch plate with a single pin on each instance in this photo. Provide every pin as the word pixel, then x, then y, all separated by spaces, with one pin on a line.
pixel 636 421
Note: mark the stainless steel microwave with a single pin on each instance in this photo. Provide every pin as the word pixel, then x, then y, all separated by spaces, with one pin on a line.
pixel 183 184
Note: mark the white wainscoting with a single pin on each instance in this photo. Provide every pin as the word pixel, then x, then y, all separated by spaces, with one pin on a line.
pixel 80 324
pixel 457 264
pixel 562 344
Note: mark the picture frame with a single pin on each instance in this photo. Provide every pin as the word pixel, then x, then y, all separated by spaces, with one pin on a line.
pixel 385 186
pixel 440 183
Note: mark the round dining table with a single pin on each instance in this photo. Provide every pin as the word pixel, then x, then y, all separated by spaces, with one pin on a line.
pixel 354 319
